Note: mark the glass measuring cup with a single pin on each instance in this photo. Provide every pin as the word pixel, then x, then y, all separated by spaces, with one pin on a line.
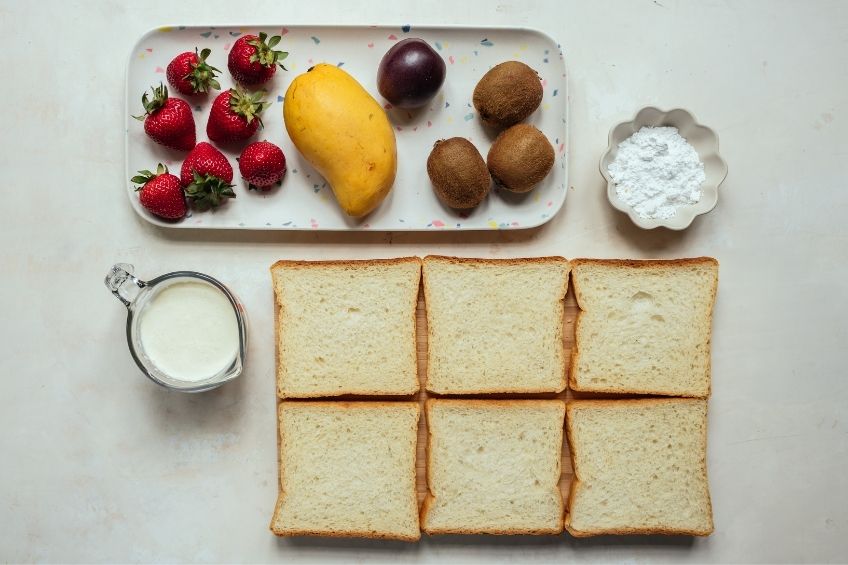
pixel 136 294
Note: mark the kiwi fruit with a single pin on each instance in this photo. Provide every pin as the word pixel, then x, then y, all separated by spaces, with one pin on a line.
pixel 507 94
pixel 520 158
pixel 458 173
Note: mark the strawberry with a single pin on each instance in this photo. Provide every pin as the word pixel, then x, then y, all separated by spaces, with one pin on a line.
pixel 252 61
pixel 206 175
pixel 168 121
pixel 235 116
pixel 160 193
pixel 190 74
pixel 262 164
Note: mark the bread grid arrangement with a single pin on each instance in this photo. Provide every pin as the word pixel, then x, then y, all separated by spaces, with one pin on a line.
pixel 429 396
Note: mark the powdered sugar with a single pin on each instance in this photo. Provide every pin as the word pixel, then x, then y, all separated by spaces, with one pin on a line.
pixel 656 171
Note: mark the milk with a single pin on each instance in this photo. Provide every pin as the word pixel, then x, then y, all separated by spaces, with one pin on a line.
pixel 189 331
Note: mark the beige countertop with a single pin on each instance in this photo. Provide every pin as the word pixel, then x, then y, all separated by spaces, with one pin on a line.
pixel 100 465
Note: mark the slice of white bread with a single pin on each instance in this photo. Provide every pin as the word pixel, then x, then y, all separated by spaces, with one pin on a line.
pixel 493 467
pixel 346 327
pixel 347 469
pixel 639 467
pixel 644 326
pixel 495 326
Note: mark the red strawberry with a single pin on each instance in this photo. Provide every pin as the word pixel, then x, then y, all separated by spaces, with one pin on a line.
pixel 262 164
pixel 235 116
pixel 190 74
pixel 206 175
pixel 160 193
pixel 252 61
pixel 168 121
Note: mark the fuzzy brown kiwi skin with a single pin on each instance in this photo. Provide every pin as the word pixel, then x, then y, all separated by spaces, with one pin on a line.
pixel 507 94
pixel 520 158
pixel 459 175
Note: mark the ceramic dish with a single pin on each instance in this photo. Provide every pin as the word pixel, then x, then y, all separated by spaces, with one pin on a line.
pixel 702 138
pixel 305 201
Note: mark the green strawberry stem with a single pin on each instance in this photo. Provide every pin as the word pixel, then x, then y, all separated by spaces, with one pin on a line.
pixel 208 191
pixel 265 53
pixel 144 177
pixel 160 96
pixel 202 75
pixel 248 104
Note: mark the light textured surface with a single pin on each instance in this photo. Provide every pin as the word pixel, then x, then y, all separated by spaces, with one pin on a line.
pixel 644 327
pixel 348 469
pixel 495 327
pixel 346 328
pixel 100 465
pixel 494 466
pixel 639 466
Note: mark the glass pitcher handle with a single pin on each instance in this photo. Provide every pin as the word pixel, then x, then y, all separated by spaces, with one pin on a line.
pixel 123 284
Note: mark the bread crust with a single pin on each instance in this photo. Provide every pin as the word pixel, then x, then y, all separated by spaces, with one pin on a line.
pixel 344 262
pixel 646 262
pixel 570 407
pixel 505 261
pixel 278 307
pixel 555 259
pixel 635 264
pixel 428 500
pixel 340 405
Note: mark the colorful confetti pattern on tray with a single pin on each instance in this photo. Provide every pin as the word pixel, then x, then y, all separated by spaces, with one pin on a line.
pixel 305 201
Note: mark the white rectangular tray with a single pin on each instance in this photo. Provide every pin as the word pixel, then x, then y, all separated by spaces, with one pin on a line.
pixel 305 201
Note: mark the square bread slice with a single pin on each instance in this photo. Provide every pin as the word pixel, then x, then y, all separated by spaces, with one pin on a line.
pixel 346 327
pixel 493 467
pixel 639 467
pixel 644 327
pixel 495 326
pixel 347 469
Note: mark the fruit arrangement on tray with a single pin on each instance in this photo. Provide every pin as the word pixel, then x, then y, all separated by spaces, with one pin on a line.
pixel 340 129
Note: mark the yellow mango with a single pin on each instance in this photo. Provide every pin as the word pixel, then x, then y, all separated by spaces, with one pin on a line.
pixel 345 134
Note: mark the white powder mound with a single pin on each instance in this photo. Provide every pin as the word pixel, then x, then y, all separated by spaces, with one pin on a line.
pixel 656 171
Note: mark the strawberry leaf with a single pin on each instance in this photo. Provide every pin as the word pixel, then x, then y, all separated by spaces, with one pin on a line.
pixel 208 191
pixel 160 96
pixel 145 176
pixel 265 53
pixel 202 75
pixel 248 105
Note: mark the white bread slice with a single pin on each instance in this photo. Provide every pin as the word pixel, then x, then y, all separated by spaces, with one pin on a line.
pixel 346 327
pixel 347 469
pixel 493 467
pixel 495 326
pixel 644 326
pixel 639 467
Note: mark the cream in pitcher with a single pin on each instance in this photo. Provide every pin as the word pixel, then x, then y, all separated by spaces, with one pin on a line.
pixel 189 331
pixel 185 330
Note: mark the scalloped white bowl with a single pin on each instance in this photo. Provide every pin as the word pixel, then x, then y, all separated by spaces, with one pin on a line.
pixel 702 138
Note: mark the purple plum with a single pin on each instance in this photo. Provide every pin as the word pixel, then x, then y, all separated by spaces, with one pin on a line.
pixel 410 74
